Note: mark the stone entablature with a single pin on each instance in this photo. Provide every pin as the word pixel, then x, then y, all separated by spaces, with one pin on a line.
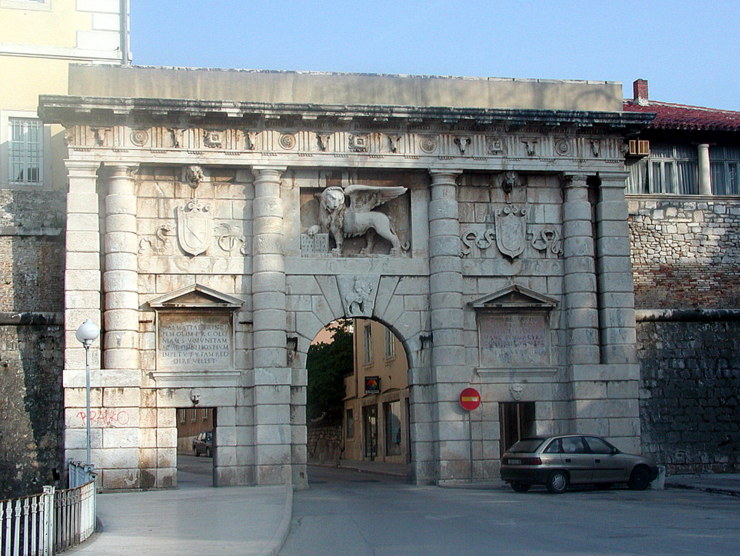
pixel 449 207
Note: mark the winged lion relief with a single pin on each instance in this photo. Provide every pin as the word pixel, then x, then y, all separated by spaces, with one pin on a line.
pixel 347 212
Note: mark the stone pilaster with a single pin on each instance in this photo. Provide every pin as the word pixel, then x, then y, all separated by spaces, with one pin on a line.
pixel 581 311
pixel 120 278
pixel 614 270
pixel 82 260
pixel 448 351
pixel 705 173
pixel 272 376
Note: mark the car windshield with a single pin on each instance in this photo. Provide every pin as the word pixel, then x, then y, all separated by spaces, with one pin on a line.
pixel 526 445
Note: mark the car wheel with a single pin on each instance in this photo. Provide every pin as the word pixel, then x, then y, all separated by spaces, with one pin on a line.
pixel 195 452
pixel 639 479
pixel 208 452
pixel 519 487
pixel 557 482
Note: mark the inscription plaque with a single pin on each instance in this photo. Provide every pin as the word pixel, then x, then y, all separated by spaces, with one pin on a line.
pixel 194 342
pixel 513 340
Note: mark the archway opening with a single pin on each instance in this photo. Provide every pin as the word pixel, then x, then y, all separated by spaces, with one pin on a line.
pixel 196 446
pixel 357 403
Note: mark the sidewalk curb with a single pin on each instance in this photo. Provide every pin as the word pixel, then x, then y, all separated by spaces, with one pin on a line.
pixel 711 490
pixel 275 544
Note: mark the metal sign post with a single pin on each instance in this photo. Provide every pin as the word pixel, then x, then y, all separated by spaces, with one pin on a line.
pixel 470 400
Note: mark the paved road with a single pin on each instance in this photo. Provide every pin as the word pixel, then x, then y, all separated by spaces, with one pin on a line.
pixel 348 513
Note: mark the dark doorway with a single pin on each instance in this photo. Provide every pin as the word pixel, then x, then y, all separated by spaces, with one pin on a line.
pixel 370 430
pixel 517 422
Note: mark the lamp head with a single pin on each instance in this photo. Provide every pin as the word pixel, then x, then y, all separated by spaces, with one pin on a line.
pixel 87 333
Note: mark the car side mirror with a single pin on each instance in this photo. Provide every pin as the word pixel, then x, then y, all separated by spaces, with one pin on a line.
pixel 614 451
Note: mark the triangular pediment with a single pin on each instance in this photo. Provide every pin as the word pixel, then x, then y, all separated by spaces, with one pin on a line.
pixel 514 297
pixel 196 296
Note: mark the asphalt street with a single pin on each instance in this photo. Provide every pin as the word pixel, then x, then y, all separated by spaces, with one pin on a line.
pixel 349 513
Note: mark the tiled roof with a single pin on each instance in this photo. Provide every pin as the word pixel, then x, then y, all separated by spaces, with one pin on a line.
pixel 681 116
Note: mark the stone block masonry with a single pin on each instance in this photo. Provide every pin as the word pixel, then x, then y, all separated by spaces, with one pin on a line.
pixel 31 339
pixel 689 407
pixel 685 256
pixel 685 252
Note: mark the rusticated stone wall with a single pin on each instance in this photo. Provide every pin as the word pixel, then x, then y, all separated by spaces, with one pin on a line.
pixel 689 394
pixel 685 252
pixel 31 339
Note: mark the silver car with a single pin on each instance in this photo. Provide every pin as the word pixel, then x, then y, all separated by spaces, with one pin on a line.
pixel 559 461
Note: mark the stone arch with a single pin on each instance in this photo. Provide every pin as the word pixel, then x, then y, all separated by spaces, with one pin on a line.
pixel 407 325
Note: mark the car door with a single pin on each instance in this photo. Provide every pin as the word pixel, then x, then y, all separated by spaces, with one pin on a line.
pixel 577 459
pixel 607 465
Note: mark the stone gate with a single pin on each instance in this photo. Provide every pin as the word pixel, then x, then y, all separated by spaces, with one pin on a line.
pixel 217 220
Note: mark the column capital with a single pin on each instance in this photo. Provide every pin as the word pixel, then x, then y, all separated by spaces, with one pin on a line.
pixel 445 175
pixel 573 180
pixel 82 167
pixel 613 179
pixel 122 169
pixel 265 172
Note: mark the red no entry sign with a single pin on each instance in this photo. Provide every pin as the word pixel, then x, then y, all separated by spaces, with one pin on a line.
pixel 469 399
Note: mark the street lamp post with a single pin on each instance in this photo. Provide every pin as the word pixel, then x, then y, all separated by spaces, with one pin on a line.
pixel 86 334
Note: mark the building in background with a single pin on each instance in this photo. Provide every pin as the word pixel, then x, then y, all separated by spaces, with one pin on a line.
pixel 685 150
pixel 684 219
pixel 39 39
pixel 376 407
pixel 190 422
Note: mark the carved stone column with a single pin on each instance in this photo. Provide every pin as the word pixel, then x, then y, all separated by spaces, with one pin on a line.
pixel 448 351
pixel 120 278
pixel 272 376
pixel 581 309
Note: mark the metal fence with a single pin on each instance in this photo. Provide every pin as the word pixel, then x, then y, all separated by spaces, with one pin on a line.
pixel 50 522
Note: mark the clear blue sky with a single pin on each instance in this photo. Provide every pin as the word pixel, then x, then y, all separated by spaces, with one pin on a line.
pixel 689 51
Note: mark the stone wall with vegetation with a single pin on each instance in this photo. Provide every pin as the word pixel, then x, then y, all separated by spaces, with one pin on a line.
pixel 31 339
pixel 686 266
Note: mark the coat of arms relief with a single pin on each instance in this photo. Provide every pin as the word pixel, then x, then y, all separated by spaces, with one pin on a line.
pixel 512 230
pixel 194 228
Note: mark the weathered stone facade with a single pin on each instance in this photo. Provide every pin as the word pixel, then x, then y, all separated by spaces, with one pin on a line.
pixel 685 253
pixel 493 242
pixel 31 339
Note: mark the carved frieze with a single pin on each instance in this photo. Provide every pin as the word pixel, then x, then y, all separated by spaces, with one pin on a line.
pixel 317 139
pixel 358 143
pixel 287 141
pixel 494 145
pixel 212 139
pixel 323 141
pixel 462 142
pixel 139 137
pixel 428 144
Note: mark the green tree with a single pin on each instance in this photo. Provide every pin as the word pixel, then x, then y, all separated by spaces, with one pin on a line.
pixel 327 364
